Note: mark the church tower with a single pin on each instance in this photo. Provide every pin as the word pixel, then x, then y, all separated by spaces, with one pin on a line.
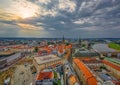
pixel 63 40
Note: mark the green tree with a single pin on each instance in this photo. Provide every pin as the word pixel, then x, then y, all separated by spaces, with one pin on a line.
pixel 83 45
pixel 36 49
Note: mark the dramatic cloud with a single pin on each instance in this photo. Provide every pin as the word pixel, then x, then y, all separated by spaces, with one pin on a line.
pixel 67 5
pixel 54 18
pixel 30 27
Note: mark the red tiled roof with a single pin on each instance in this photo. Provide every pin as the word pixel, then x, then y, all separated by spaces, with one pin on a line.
pixel 91 80
pixel 45 75
pixel 111 65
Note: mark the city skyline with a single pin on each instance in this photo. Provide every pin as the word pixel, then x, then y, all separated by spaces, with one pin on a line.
pixel 54 18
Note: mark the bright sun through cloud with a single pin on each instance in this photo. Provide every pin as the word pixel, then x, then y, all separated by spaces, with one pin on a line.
pixel 27 12
pixel 24 9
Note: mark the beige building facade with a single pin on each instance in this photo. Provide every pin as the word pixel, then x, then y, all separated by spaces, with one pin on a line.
pixel 47 61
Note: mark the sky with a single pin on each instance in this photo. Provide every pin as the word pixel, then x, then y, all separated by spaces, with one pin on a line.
pixel 55 18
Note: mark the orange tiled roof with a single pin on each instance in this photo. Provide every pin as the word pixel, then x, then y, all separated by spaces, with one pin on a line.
pixel 45 75
pixel 91 80
pixel 69 46
pixel 61 50
pixel 111 65
pixel 72 79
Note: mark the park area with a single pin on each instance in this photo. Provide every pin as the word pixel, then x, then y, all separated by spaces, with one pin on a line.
pixel 114 46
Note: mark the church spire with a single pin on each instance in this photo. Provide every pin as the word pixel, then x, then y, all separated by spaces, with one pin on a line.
pixel 63 40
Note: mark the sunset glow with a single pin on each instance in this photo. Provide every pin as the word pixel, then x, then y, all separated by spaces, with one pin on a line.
pixel 88 18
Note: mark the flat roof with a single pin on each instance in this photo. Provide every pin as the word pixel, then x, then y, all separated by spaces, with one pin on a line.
pixel 46 58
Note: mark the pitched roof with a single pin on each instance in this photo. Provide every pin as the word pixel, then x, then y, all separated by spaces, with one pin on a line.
pixel 72 79
pixel 91 80
pixel 111 65
pixel 45 75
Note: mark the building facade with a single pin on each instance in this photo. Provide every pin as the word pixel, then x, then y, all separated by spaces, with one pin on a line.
pixel 47 61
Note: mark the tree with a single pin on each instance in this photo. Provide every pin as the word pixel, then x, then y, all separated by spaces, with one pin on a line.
pixel 67 43
pixel 36 49
pixel 83 45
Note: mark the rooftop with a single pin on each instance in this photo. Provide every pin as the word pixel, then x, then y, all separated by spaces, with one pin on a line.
pixel 90 60
pixel 45 75
pixel 117 61
pixel 111 65
pixel 84 53
pixel 46 58
pixel 91 80
pixel 73 79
